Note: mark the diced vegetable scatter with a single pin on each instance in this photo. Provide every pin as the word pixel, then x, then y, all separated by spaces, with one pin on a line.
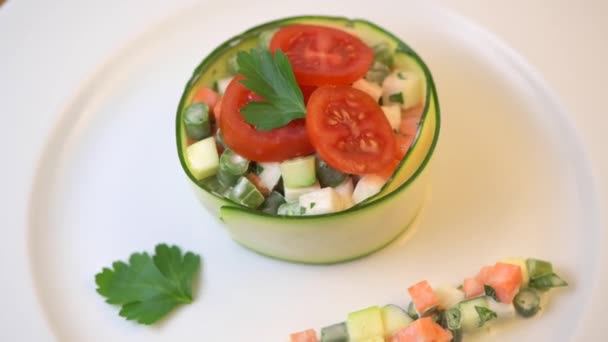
pixel 314 120
pixel 449 313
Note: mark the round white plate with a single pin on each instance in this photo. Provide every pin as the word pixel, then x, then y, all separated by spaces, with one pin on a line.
pixel 509 177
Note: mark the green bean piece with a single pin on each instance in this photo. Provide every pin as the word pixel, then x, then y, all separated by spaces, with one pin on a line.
pixel 527 302
pixel 538 268
pixel 246 194
pixel 196 120
pixel 383 54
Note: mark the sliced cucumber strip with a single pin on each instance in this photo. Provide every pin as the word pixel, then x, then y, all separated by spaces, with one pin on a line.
pixel 527 302
pixel 335 333
pixel 196 121
pixel 272 203
pixel 395 319
pixel 547 281
pixel 246 194
pixel 538 268
pixel 327 175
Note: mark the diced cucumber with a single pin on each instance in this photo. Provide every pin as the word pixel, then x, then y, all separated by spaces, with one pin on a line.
pixel 547 281
pixel 335 333
pixel 202 158
pixel 293 194
pixel 503 310
pixel 299 172
pixel 521 262
pixel 383 54
pixel 406 83
pixel 449 296
pixel 395 319
pixel 196 121
pixel 291 209
pixel 327 175
pixel 538 268
pixel 365 325
pixel 222 84
pixel 368 186
pixel 345 190
pixel 214 185
pixel 270 174
pixel 527 302
pixel 322 201
pixel 469 312
pixel 265 37
pixel 411 311
pixel 272 203
pixel 377 73
pixel 245 193
pixel 231 167
pixel 393 115
pixel 370 88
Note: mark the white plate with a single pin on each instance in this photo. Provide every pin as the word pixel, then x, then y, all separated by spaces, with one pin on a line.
pixel 509 178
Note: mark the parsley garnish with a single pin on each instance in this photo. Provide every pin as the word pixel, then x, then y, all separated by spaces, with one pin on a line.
pixel 312 204
pixel 147 288
pixel 485 315
pixel 272 78
pixel 258 169
pixel 398 98
pixel 490 292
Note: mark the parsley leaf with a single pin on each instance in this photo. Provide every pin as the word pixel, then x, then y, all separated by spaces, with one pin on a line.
pixel 397 98
pixel 272 78
pixel 148 288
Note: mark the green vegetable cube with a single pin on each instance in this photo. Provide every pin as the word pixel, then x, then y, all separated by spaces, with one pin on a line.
pixel 335 333
pixel 538 268
pixel 365 325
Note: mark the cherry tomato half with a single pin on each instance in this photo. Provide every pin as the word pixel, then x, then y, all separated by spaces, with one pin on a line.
pixel 349 130
pixel 321 55
pixel 274 145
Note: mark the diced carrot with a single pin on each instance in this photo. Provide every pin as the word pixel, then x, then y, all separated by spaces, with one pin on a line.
pixel 206 95
pixel 217 110
pixel 505 279
pixel 422 330
pixel 304 336
pixel 255 179
pixel 472 287
pixel 423 296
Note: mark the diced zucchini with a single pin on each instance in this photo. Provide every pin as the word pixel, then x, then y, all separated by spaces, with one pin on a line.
pixel 222 84
pixel 503 310
pixel 449 296
pixel 370 88
pixel 322 201
pixel 527 302
pixel 202 157
pixel 368 186
pixel 293 194
pixel 547 281
pixel 272 203
pixel 327 175
pixel 470 317
pixel 395 319
pixel 393 115
pixel 538 268
pixel 402 88
pixel 231 167
pixel 265 37
pixel 299 172
pixel 270 174
pixel 345 190
pixel 291 209
pixel 245 193
pixel 521 262
pixel 365 325
pixel 335 333
pixel 196 121
pixel 377 73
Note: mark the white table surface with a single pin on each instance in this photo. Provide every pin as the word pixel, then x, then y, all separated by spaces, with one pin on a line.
pixel 566 41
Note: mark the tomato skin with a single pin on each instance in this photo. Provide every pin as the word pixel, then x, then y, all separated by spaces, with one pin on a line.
pixel 266 146
pixel 423 296
pixel 322 55
pixel 349 130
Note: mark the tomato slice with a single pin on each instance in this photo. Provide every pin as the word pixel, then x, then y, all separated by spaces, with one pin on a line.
pixel 349 130
pixel 321 55
pixel 274 145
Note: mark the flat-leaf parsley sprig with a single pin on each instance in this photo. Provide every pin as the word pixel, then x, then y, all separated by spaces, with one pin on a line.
pixel 148 287
pixel 272 78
